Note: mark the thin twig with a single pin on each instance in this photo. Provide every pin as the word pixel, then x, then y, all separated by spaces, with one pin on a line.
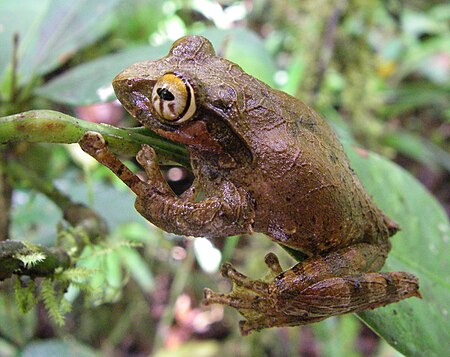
pixel 15 63
pixel 327 48
pixel 5 198
pixel 19 172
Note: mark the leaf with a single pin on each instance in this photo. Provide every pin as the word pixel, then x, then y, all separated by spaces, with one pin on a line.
pixel 31 260
pixel 14 327
pixel 418 148
pixel 34 219
pixel 91 82
pixel 409 97
pixel 108 200
pixel 208 348
pixel 413 326
pixel 7 349
pixel 244 47
pixel 49 32
pixel 138 268
pixel 56 347
pixel 54 302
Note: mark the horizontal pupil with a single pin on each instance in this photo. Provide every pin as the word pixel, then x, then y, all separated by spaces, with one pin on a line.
pixel 165 94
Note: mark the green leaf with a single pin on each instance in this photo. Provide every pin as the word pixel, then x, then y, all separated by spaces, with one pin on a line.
pixel 244 47
pixel 7 349
pixel 14 327
pixel 49 32
pixel 34 220
pixel 413 326
pixel 26 25
pixel 54 302
pixel 106 281
pixel 418 148
pixel 208 348
pixel 60 348
pixel 338 335
pixel 91 82
pixel 138 268
pixel 410 97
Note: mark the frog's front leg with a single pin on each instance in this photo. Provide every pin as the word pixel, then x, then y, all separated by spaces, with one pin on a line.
pixel 315 289
pixel 229 212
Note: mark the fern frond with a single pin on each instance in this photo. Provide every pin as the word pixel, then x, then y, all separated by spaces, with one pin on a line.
pixel 76 274
pixel 54 302
pixel 114 248
pixel 26 297
pixel 85 287
pixel 79 277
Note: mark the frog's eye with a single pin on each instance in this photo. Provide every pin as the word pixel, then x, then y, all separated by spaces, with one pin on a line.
pixel 173 98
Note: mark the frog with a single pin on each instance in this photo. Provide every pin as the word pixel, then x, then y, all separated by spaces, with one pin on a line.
pixel 263 162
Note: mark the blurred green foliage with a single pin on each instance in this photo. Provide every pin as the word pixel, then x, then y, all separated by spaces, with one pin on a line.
pixel 377 70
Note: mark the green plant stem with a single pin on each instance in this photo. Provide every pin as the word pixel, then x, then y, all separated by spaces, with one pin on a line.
pixel 14 60
pixel 88 225
pixel 87 221
pixel 17 171
pixel 180 280
pixel 5 199
pixel 48 126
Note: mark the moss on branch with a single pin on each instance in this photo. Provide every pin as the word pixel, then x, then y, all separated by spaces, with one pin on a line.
pixel 24 258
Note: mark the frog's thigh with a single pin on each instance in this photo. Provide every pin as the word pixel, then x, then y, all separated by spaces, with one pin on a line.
pixel 326 298
pixel 355 259
pixel 351 293
pixel 341 282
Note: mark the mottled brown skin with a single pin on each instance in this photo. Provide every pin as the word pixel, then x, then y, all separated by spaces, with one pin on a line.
pixel 266 163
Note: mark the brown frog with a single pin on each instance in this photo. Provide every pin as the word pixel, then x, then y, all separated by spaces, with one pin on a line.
pixel 264 162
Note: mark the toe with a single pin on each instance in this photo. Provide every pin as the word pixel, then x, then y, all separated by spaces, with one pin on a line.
pixel 273 263
pixel 146 155
pixel 92 142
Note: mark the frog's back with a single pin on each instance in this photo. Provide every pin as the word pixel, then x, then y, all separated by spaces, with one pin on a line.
pixel 316 202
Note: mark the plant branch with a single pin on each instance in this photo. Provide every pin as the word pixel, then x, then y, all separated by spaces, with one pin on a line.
pixel 19 172
pixel 5 199
pixel 327 47
pixel 48 126
pixel 87 223
pixel 23 258
pixel 76 214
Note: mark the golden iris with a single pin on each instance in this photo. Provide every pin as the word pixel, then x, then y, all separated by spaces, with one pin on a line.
pixel 173 98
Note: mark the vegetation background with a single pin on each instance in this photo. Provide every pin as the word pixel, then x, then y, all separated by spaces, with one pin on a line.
pixel 377 70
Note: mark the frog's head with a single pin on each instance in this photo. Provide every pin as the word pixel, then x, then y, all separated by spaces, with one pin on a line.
pixel 183 96
pixel 162 94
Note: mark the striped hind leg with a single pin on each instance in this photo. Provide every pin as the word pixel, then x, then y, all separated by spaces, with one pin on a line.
pixel 341 282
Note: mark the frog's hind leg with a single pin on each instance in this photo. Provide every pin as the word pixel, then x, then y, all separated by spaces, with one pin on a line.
pixel 253 288
pixel 352 293
pixel 340 282
pixel 248 296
